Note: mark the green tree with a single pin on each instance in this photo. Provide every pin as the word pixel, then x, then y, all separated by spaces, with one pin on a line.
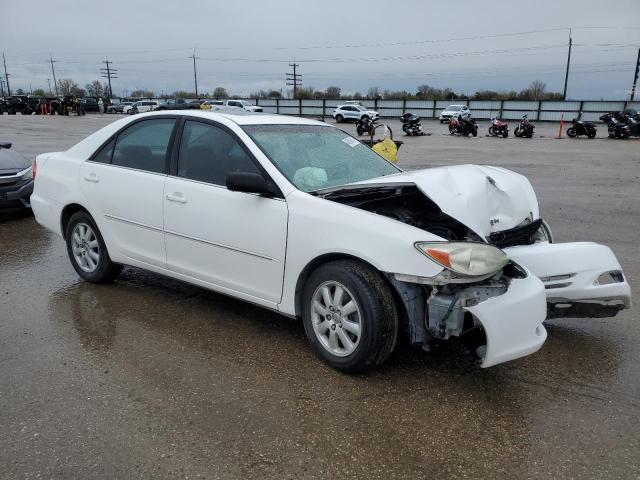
pixel 220 92
pixel 143 93
pixel 333 92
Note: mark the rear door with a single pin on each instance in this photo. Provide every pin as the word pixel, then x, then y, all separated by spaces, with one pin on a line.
pixel 234 241
pixel 124 183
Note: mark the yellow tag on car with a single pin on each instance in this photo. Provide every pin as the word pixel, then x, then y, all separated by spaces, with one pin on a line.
pixel 387 149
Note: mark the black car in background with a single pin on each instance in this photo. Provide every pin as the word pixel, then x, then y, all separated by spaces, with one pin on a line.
pixel 16 180
pixel 24 104
pixel 90 104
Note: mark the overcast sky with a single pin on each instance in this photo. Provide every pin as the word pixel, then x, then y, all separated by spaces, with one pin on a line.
pixel 247 45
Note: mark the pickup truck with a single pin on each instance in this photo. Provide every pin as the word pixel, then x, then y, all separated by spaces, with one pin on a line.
pixel 178 104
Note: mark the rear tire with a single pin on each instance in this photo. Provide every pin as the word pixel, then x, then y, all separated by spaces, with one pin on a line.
pixel 591 134
pixel 505 133
pixel 372 318
pixel 87 250
pixel 359 130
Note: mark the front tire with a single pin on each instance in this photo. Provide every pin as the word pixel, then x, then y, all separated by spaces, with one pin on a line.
pixel 339 119
pixel 350 316
pixel 87 250
pixel 492 131
pixel 571 132
pixel 359 130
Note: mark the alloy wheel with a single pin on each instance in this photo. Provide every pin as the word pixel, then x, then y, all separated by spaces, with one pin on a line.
pixel 336 319
pixel 85 247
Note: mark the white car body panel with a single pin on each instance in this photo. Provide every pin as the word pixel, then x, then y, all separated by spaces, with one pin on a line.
pixel 486 199
pixel 570 271
pixel 204 238
pixel 256 248
pixel 512 321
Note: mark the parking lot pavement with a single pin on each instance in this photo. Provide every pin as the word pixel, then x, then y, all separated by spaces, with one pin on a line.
pixel 152 378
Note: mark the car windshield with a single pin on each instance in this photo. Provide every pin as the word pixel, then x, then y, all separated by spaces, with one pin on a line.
pixel 314 157
pixel 454 107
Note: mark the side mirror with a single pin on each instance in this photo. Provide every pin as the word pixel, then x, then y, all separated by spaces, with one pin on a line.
pixel 248 182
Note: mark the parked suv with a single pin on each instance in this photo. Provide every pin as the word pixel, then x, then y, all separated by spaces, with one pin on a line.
pixel 144 106
pixel 119 108
pixel 243 104
pixel 353 112
pixel 179 104
pixel 454 111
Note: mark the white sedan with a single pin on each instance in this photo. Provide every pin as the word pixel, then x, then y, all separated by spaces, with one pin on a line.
pixel 301 218
pixel 454 111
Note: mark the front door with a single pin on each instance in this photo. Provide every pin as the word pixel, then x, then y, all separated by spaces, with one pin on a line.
pixel 231 240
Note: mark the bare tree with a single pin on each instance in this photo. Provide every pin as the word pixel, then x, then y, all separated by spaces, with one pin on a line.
pixel 373 93
pixel 537 89
pixel 220 92
pixel 333 92
pixel 67 86
pixel 94 89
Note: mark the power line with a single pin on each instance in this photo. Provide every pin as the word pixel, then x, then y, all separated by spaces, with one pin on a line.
pixel 566 76
pixel 294 79
pixel 195 72
pixel 53 71
pixel 6 75
pixel 108 73
pixel 635 77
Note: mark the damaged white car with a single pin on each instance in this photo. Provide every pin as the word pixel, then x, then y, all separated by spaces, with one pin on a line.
pixel 299 217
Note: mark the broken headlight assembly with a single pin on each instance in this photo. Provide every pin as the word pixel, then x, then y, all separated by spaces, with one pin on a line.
pixel 464 262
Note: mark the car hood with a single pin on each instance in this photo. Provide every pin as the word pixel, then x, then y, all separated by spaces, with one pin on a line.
pixel 485 199
pixel 12 161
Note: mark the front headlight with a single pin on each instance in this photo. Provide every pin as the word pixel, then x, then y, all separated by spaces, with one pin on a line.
pixel 465 258
pixel 26 174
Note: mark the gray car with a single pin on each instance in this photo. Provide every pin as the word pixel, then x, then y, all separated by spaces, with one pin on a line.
pixel 16 179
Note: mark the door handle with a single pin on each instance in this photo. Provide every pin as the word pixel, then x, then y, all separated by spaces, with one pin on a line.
pixel 92 177
pixel 176 197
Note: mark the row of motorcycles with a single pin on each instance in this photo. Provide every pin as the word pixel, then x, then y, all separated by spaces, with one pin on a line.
pixel 623 124
pixel 411 125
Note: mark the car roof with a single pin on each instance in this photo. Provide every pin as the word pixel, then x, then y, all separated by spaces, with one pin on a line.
pixel 240 117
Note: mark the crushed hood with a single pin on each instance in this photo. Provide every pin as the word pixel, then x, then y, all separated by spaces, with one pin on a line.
pixel 485 199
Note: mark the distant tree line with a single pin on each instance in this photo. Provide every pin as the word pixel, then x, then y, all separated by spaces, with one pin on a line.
pixel 537 90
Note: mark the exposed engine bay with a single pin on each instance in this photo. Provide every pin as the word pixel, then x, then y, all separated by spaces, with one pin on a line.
pixel 408 204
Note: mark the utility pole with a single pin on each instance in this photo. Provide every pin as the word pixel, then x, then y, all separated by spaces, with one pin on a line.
pixel 294 79
pixel 195 72
pixel 566 76
pixel 108 73
pixel 53 71
pixel 6 75
pixel 635 77
pixel 49 82
pixel 1 87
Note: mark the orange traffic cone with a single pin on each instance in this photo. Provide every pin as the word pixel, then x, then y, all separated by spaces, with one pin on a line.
pixel 561 126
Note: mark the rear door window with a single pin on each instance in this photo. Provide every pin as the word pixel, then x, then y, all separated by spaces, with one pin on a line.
pixel 144 145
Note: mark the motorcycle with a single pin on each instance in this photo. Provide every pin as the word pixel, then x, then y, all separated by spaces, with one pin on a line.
pixel 579 128
pixel 525 129
pixel 498 127
pixel 632 119
pixel 616 127
pixel 365 125
pixel 463 125
pixel 411 125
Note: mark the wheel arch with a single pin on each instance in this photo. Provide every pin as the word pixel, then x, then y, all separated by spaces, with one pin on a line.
pixel 67 213
pixel 332 257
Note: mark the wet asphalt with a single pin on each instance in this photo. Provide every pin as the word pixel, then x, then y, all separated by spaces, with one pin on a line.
pixel 154 378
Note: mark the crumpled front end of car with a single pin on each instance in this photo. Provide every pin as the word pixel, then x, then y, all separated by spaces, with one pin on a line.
pixel 500 317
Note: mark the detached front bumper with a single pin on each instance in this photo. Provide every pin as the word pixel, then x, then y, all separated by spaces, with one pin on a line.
pixel 513 321
pixel 581 279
